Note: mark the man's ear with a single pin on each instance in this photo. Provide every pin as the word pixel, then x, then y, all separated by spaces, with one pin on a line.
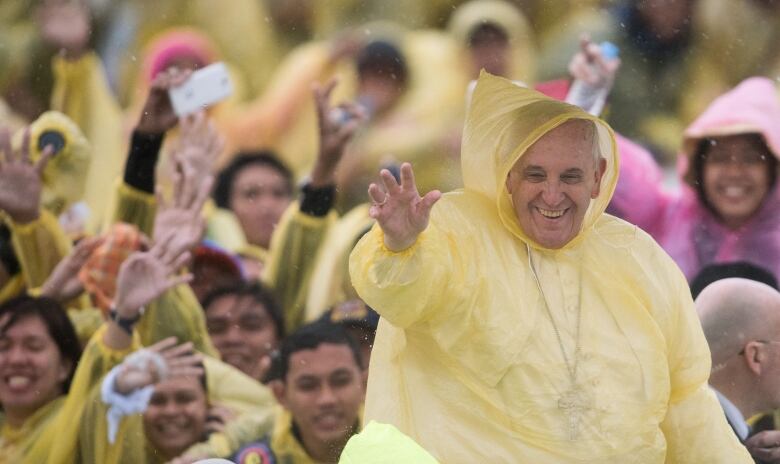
pixel 64 370
pixel 601 168
pixel 278 388
pixel 508 181
pixel 754 356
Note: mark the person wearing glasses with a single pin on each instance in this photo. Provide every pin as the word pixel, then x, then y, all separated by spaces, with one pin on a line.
pixel 741 320
pixel 725 209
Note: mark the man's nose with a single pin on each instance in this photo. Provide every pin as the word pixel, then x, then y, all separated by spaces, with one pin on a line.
pixel 327 396
pixel 15 355
pixel 552 195
pixel 170 408
pixel 735 166
pixel 233 334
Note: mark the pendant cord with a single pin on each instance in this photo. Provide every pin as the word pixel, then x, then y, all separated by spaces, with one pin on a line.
pixel 572 368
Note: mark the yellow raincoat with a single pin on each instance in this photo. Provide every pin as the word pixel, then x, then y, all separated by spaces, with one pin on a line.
pixel 38 245
pixel 466 360
pixel 522 51
pixel 50 434
pixel 82 92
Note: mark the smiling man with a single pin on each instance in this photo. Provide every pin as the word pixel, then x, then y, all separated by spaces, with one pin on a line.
pixel 322 389
pixel 520 322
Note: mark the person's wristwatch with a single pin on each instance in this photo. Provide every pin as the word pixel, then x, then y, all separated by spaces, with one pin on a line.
pixel 125 323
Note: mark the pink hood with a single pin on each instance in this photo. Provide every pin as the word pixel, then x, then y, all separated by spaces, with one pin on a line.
pixel 751 107
pixel 681 224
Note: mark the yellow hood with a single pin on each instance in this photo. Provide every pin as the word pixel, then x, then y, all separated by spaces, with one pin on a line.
pixel 503 121
pixel 65 175
pixel 506 17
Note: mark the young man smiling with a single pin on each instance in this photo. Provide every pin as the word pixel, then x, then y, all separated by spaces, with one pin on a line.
pixel 321 387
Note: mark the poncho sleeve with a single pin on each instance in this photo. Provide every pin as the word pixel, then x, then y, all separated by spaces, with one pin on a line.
pixel 177 312
pixel 59 442
pixel 81 92
pixel 410 286
pixel 39 245
pixel 695 426
pixel 292 260
pixel 136 207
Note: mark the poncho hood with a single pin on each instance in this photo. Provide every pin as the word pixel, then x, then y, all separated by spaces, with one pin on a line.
pixel 503 121
pixel 750 107
pixel 506 17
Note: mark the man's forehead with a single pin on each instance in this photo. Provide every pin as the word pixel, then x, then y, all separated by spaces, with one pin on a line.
pixel 235 304
pixel 572 141
pixel 326 358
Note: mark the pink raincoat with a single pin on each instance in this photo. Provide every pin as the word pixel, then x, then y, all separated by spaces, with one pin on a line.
pixel 679 221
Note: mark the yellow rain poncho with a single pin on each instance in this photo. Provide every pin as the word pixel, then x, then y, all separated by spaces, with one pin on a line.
pixel 65 176
pixel 522 45
pixel 81 91
pixel 50 434
pixel 466 360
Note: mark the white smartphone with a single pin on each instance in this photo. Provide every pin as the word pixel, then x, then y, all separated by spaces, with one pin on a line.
pixel 205 87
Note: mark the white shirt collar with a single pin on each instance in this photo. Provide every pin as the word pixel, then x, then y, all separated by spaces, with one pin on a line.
pixel 734 416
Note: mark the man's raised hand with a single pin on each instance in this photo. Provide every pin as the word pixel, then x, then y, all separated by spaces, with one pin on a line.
pixel 145 275
pixel 65 25
pixel 162 360
pixel 157 116
pixel 63 283
pixel 399 209
pixel 337 126
pixel 20 179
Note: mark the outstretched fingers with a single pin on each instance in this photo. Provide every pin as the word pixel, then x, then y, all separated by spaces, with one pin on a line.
pixel 163 345
pixel 389 182
pixel 203 194
pixel 85 248
pixel 407 177
pixel 378 199
pixel 46 156
pixel 322 97
pixel 24 154
pixel 430 199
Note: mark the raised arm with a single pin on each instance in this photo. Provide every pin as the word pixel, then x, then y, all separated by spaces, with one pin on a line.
pixel 405 267
pixel 178 313
pixel 143 277
pixel 136 203
pixel 304 225
pixel 38 241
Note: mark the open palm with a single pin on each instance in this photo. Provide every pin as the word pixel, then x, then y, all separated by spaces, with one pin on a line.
pixel 20 180
pixel 172 360
pixel 145 276
pixel 63 283
pixel 400 210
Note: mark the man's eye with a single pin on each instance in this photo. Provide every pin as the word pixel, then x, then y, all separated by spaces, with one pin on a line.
pixel 571 178
pixel 535 176
pixel 217 327
pixel 308 386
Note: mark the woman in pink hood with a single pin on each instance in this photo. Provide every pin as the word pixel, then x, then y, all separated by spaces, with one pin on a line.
pixel 726 208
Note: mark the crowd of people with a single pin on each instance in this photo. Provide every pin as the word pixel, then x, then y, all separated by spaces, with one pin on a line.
pixel 407 235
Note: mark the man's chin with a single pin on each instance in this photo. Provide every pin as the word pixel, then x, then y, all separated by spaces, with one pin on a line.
pixel 553 241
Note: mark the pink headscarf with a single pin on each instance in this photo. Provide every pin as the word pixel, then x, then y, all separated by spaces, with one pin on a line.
pixel 174 44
